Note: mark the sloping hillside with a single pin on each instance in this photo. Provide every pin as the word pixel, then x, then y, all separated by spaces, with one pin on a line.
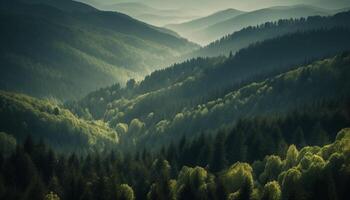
pixel 249 35
pixel 187 28
pixel 74 48
pixel 184 89
pixel 198 80
pixel 151 15
pixel 21 116
pixel 254 18
pixel 321 80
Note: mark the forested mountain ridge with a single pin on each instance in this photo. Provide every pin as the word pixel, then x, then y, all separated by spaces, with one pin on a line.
pixel 253 18
pixel 75 48
pixel 200 80
pixel 187 28
pixel 132 117
pixel 64 5
pixel 262 114
pixel 149 14
pixel 249 35
pixel 158 125
pixel 95 103
pixel 323 80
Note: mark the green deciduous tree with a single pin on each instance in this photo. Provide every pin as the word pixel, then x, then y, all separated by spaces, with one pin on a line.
pixel 272 191
pixel 125 192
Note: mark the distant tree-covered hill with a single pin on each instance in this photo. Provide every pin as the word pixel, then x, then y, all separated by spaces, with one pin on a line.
pixel 187 28
pixel 150 14
pixel 253 18
pixel 142 122
pixel 199 80
pixel 249 35
pixel 66 49
pixel 204 94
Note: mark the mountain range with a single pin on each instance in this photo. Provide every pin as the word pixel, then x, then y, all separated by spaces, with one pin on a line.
pixel 252 34
pixel 74 48
pixel 97 105
pixel 198 24
pixel 192 89
pixel 148 14
pixel 212 6
pixel 224 26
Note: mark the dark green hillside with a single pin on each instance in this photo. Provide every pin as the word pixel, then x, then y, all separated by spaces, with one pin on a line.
pixel 326 79
pixel 74 51
pixel 201 80
pixel 89 110
pixel 163 115
pixel 245 37
pixel 251 139
pixel 95 104
pixel 64 5
pixel 21 116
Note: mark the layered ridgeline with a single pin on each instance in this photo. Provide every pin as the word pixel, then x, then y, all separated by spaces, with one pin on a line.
pixel 22 116
pixel 151 15
pixel 197 80
pixel 249 35
pixel 187 28
pixel 201 95
pixel 66 49
pixel 212 32
pixel 205 94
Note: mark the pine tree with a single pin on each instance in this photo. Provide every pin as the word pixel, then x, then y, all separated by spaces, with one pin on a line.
pixel 218 161
pixel 55 186
pixel 35 190
pixel 245 191
pixel 161 188
pixel 319 136
pixel 298 137
pixel 28 145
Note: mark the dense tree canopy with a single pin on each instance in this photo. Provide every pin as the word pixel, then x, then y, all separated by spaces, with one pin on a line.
pixel 33 171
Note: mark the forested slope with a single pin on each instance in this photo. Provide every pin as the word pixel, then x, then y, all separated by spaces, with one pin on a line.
pixel 187 28
pixel 200 80
pixel 137 119
pixel 249 35
pixel 141 118
pixel 22 116
pixel 266 116
pixel 270 121
pixel 75 49
pixel 321 80
pixel 253 18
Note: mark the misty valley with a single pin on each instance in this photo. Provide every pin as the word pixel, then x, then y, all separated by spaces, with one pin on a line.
pixel 174 100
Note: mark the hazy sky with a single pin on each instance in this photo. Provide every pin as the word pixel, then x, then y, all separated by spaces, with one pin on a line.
pixel 212 5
